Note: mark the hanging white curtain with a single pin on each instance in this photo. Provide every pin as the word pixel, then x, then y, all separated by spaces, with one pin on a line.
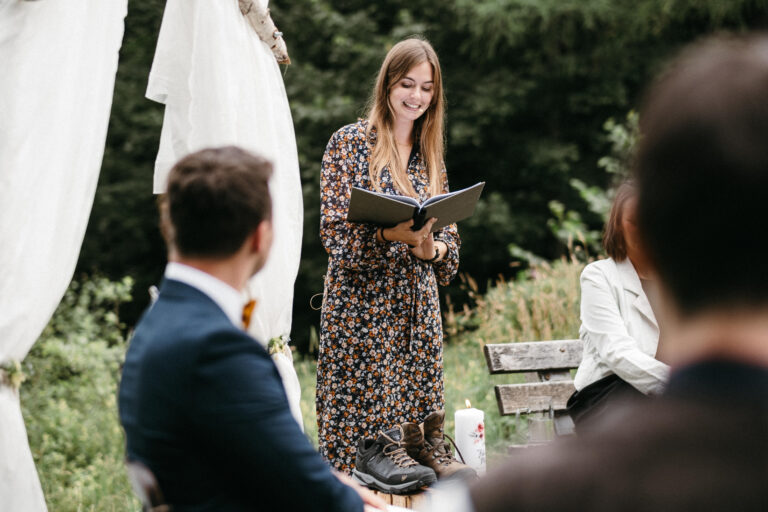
pixel 57 72
pixel 221 85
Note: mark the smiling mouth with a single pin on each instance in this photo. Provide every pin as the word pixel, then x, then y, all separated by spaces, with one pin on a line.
pixel 412 107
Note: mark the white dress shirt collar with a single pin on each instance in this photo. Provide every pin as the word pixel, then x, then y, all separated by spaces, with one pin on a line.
pixel 227 298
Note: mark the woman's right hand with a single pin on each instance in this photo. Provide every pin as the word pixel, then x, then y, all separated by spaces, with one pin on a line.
pixel 403 232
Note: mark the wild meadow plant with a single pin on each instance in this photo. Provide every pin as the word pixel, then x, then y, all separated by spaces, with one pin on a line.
pixel 69 398
pixel 542 303
pixel 69 401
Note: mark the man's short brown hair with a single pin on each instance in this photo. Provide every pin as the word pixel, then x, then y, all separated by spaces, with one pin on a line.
pixel 215 198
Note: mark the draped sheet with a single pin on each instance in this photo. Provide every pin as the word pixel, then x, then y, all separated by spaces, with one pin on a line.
pixel 58 62
pixel 221 85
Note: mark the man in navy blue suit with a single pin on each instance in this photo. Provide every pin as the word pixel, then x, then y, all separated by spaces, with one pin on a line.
pixel 201 402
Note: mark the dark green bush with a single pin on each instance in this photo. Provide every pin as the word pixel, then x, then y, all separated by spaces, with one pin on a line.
pixel 69 400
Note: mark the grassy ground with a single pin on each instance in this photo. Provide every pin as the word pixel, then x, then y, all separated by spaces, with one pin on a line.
pixel 466 377
pixel 542 305
pixel 69 399
pixel 70 405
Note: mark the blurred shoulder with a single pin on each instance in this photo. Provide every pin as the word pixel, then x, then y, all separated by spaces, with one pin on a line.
pixel 710 450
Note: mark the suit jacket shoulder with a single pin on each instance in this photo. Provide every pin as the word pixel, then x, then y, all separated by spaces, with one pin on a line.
pixel 203 406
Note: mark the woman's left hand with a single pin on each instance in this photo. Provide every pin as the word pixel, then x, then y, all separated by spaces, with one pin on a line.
pixel 426 249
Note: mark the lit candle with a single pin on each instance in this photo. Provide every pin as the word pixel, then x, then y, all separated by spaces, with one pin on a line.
pixel 470 437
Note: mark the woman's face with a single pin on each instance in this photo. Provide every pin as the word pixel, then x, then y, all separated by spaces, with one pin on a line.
pixel 629 229
pixel 411 96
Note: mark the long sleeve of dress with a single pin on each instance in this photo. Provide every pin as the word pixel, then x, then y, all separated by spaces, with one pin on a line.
pixel 352 245
pixel 446 268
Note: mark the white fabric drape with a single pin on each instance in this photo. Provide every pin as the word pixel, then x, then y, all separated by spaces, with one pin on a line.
pixel 221 85
pixel 57 71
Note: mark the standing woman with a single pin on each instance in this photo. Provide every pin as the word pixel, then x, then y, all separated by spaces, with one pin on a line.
pixel 381 341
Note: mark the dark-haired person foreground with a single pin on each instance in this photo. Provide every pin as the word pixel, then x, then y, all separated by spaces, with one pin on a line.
pixel 702 171
pixel 201 402
pixel 618 325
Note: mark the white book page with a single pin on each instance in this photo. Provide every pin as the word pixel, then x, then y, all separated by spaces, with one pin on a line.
pixel 403 199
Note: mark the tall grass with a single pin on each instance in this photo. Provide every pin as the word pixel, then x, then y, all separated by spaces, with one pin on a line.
pixel 70 405
pixel 69 399
pixel 541 304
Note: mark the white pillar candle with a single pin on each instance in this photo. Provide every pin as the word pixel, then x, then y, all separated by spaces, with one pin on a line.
pixel 470 437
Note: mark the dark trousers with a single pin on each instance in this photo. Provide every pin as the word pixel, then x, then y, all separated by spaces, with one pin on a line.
pixel 597 399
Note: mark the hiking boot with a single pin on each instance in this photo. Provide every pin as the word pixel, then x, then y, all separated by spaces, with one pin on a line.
pixel 426 444
pixel 384 465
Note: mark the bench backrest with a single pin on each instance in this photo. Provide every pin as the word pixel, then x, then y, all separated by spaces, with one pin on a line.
pixel 547 366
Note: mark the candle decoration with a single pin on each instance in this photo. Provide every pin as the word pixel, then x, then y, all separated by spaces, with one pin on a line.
pixel 470 437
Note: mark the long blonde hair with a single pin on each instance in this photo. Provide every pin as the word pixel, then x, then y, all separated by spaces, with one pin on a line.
pixel 428 127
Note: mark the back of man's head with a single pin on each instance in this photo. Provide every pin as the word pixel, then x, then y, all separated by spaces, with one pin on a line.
pixel 215 199
pixel 702 170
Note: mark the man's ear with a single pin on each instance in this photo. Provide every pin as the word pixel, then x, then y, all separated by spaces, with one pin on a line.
pixel 261 237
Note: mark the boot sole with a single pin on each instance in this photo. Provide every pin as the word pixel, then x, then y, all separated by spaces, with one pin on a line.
pixel 404 488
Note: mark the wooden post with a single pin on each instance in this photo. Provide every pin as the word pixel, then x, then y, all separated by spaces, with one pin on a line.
pixel 409 501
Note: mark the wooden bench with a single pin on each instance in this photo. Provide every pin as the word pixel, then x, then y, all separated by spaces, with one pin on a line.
pixel 542 398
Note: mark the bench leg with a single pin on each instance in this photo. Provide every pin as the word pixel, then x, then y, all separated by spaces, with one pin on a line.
pixel 563 424
pixel 540 428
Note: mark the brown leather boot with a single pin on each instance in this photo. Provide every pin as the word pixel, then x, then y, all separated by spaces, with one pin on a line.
pixel 426 444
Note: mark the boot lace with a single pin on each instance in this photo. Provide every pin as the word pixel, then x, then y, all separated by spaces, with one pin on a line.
pixel 441 451
pixel 397 453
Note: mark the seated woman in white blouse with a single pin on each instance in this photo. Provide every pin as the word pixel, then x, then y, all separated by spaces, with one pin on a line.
pixel 618 326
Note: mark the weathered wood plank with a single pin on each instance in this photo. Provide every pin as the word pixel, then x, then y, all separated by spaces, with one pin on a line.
pixel 410 501
pixel 419 500
pixel 555 375
pixel 543 376
pixel 401 501
pixel 533 397
pixel 383 495
pixel 533 356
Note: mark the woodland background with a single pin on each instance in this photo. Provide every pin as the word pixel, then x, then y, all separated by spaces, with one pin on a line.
pixel 530 86
pixel 542 99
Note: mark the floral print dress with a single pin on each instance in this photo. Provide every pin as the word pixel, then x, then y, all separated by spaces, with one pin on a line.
pixel 381 342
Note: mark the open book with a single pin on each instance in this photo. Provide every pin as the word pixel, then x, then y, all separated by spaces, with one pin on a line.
pixel 388 210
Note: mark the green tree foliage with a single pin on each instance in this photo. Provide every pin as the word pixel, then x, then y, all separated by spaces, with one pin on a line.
pixel 568 226
pixel 70 400
pixel 529 85
pixel 122 236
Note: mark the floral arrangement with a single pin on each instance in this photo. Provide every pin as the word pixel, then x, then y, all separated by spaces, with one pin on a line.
pixel 12 375
pixel 280 345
